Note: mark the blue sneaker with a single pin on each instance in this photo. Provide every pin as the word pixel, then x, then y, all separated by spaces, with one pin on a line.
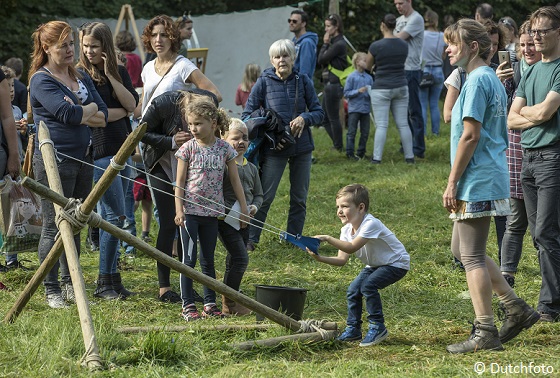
pixel 376 334
pixel 351 333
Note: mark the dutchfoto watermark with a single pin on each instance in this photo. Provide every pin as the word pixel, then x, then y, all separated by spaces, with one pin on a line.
pixel 517 368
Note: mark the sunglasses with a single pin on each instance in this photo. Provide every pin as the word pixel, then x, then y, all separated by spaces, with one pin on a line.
pixel 291 21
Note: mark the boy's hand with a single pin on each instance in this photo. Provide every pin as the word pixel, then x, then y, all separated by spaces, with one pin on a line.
pixel 313 254
pixel 244 218
pixel 362 89
pixel 322 237
pixel 252 210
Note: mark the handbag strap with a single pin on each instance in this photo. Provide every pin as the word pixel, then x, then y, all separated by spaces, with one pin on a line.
pixel 160 80
pixel 295 102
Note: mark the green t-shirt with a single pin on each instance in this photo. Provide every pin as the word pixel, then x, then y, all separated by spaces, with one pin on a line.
pixel 540 79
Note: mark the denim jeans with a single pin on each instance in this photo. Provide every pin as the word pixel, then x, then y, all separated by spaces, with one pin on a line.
pixel 111 209
pixel 76 179
pixel 272 171
pixel 332 94
pixel 205 230
pixel 353 120
pixel 415 119
pixel 237 259
pixel 540 179
pixel 512 243
pixel 395 100
pixel 367 284
pixel 429 97
pixel 130 221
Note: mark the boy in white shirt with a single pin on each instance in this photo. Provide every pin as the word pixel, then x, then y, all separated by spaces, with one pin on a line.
pixel 378 248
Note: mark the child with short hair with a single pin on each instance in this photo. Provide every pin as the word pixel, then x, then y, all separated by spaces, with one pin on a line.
pixel 356 91
pixel 233 238
pixel 378 248
pixel 200 175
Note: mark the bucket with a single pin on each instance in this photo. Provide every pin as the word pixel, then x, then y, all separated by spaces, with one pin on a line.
pixel 289 300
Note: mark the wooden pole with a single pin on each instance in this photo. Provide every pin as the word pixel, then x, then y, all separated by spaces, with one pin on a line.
pixel 47 150
pixel 274 341
pixel 213 284
pixel 93 360
pixel 221 327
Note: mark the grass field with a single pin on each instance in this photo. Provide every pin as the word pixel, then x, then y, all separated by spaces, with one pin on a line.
pixel 424 312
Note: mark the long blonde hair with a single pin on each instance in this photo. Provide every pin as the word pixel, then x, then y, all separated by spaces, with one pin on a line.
pixel 49 34
pixel 250 76
pixel 102 33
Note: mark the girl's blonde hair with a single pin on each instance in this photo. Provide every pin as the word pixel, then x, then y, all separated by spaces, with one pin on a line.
pixel 357 56
pixel 202 106
pixel 102 33
pixel 250 76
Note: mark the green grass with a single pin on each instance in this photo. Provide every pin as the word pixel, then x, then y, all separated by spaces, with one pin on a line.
pixel 424 311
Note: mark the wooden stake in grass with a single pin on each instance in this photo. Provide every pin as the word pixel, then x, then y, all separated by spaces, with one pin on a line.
pixel 92 358
pixel 275 341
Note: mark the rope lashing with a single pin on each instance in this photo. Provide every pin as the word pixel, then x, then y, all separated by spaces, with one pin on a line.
pixel 46 141
pixel 312 325
pixel 116 166
pixel 77 219
pixel 90 356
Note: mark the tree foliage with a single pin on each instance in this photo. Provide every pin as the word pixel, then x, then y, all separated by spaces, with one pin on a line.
pixel 361 17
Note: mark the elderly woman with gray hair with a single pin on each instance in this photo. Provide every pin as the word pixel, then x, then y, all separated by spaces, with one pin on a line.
pixel 293 97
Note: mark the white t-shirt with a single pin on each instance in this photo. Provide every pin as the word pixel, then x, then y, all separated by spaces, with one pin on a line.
pixel 414 26
pixel 454 79
pixel 382 248
pixel 174 80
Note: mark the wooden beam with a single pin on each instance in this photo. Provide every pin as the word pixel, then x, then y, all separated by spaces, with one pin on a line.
pixel 275 341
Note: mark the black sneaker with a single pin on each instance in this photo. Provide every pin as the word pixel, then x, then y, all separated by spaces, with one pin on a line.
pixel 510 279
pixel 548 317
pixel 352 157
pixel 15 265
pixel 170 297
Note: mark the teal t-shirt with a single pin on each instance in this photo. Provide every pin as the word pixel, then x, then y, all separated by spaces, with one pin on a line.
pixel 540 79
pixel 483 98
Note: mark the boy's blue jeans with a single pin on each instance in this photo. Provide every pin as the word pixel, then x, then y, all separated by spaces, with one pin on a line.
pixel 367 284
pixel 356 120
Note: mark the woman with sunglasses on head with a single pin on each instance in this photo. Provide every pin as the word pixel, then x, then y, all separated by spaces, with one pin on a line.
pixel 333 53
pixel 98 59
pixel 68 103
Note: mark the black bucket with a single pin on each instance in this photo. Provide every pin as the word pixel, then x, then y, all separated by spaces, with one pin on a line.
pixel 290 299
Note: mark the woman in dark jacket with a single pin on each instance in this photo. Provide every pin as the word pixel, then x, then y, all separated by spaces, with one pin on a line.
pixel 280 88
pixel 333 52
pixel 167 130
pixel 69 104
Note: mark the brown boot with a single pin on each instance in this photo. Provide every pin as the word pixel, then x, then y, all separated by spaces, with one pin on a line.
pixel 230 307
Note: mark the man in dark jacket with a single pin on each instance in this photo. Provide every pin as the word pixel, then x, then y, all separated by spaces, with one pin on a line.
pixel 305 42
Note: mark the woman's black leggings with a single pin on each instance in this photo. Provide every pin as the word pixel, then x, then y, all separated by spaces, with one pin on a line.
pixel 165 204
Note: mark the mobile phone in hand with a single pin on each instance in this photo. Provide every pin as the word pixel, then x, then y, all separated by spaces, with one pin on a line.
pixel 503 56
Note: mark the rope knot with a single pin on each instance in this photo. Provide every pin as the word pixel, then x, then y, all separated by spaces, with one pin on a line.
pixel 312 325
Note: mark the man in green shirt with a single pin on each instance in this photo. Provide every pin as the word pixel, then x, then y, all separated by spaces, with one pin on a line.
pixel 535 110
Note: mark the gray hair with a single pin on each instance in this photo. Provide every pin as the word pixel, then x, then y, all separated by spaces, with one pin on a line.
pixel 281 47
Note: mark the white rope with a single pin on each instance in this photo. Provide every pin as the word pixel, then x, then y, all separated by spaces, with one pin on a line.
pixel 116 166
pixel 90 356
pixel 263 225
pixel 312 325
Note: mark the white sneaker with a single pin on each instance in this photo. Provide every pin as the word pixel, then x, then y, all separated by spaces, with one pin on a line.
pixel 68 293
pixel 56 301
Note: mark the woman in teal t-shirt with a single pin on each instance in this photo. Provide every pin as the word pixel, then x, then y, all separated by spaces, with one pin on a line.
pixel 478 187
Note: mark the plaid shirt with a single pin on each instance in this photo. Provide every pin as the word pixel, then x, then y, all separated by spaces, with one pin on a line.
pixel 514 151
pixel 514 155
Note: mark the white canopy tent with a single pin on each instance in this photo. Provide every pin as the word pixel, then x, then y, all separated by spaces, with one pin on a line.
pixel 233 40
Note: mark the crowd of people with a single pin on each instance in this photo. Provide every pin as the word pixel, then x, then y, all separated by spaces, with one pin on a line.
pixel 504 142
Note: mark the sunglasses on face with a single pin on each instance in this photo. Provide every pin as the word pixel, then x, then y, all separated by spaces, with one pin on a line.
pixel 291 21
